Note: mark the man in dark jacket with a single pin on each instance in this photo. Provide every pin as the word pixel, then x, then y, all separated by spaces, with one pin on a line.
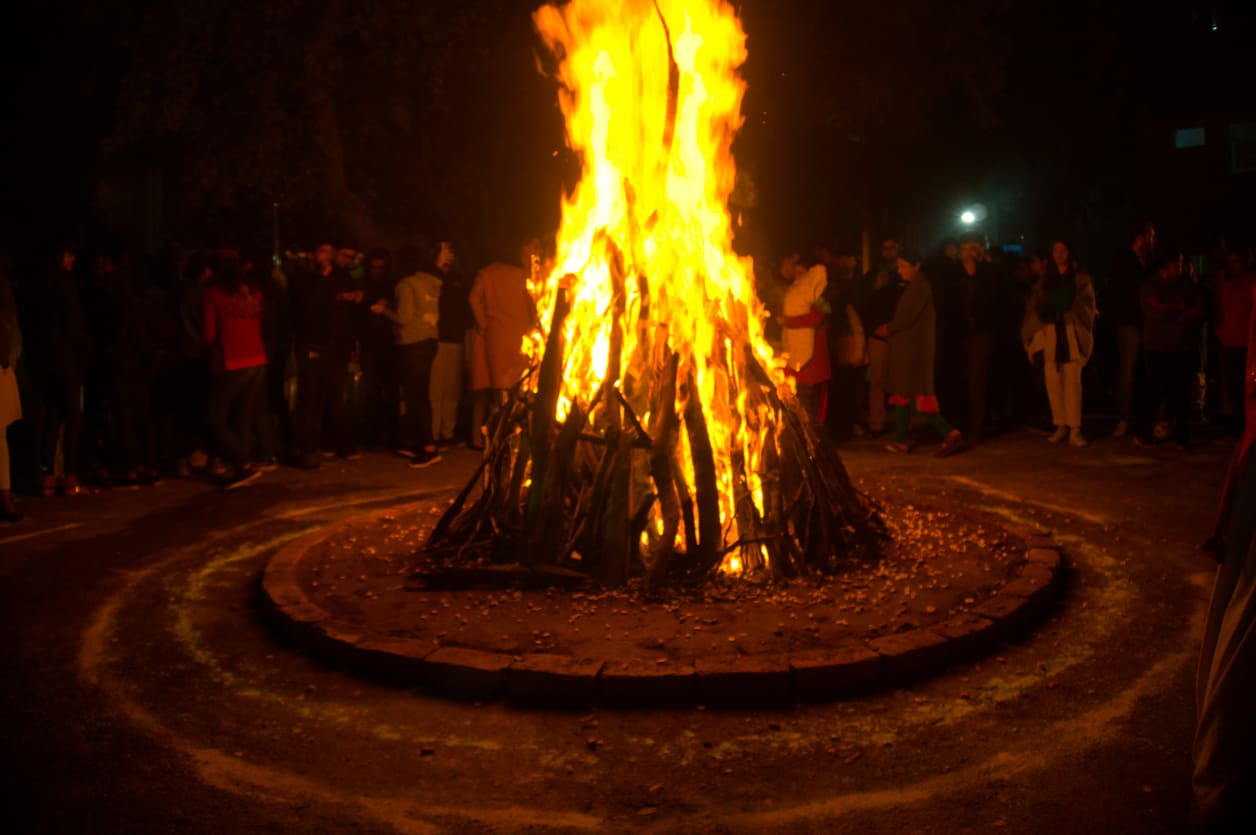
pixel 1127 313
pixel 59 347
pixel 1172 311
pixel 454 321
pixel 325 308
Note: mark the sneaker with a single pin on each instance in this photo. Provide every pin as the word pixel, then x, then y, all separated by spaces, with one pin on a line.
pixel 954 443
pixel 426 458
pixel 242 478
pixel 1122 429
pixel 897 447
pixel 406 453
pixel 1060 433
pixel 1077 439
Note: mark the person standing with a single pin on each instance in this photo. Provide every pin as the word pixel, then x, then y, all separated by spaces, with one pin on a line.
pixel 504 315
pixel 414 314
pixel 325 304
pixel 848 349
pixel 804 334
pixel 882 291
pixel 911 336
pixel 1172 310
pixel 1234 309
pixel 977 289
pixel 1225 732
pixel 452 326
pixel 232 327
pixel 1124 293
pixel 380 380
pixel 10 398
pixel 1059 324
pixel 59 347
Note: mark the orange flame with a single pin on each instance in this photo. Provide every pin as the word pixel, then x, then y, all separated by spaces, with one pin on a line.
pixel 652 100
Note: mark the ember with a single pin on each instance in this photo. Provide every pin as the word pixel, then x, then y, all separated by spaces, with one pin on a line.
pixel 655 429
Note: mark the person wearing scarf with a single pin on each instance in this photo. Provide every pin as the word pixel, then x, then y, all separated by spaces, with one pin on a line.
pixel 1059 324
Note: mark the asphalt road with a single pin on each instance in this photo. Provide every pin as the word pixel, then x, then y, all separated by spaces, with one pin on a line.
pixel 142 693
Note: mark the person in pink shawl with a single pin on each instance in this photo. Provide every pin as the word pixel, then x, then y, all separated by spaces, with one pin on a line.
pixel 1225 737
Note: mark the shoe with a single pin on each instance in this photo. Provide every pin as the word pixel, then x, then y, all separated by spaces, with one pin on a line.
pixel 1143 443
pixel 954 443
pixel 354 455
pixel 1077 439
pixel 327 453
pixel 242 478
pixel 265 466
pixel 897 447
pixel 426 458
pixel 1122 429
pixel 406 453
pixel 1060 433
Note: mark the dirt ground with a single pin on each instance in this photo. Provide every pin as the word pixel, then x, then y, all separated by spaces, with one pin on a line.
pixel 937 563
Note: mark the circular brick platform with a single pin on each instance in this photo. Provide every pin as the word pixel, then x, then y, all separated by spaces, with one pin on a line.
pixel 553 680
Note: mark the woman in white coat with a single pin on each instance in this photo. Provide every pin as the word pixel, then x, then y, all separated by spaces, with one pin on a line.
pixel 1060 325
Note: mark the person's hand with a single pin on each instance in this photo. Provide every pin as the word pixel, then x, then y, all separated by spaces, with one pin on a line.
pixel 379 307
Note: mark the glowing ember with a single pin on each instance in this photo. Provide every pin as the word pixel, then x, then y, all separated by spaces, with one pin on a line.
pixel 652 101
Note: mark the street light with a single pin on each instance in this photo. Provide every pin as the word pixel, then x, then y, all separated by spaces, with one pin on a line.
pixel 968 217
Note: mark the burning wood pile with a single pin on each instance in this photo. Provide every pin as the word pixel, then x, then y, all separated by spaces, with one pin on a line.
pixel 655 433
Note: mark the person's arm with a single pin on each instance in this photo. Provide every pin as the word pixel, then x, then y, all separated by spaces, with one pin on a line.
pixel 1085 309
pixel 911 306
pixel 209 318
pixel 813 318
pixel 404 310
pixel 478 301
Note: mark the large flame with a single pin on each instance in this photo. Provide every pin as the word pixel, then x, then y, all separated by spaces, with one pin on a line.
pixel 652 100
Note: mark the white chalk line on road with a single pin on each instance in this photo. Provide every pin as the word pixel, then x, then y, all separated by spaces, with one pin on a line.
pixel 265 782
pixel 276 785
pixel 986 489
pixel 44 532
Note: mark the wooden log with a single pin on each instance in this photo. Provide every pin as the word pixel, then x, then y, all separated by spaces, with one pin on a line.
pixel 664 431
pixel 706 489
pixel 549 385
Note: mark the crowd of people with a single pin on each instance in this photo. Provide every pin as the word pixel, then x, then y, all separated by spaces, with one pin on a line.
pixel 1002 341
pixel 246 361
pixel 243 360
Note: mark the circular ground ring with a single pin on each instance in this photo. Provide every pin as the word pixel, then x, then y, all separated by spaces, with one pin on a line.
pixel 552 680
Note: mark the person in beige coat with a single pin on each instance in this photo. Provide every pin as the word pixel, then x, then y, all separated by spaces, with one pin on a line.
pixel 10 400
pixel 1060 324
pixel 504 314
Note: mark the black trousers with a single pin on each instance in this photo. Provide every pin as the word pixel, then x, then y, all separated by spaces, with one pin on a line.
pixel 133 409
pixel 381 398
pixel 62 391
pixel 321 396
pixel 844 399
pixel 978 350
pixel 1169 382
pixel 238 415
pixel 415 364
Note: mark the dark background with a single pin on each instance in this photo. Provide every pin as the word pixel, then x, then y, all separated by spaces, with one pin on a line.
pixel 147 125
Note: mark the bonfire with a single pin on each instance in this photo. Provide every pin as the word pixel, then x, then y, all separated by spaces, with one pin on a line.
pixel 655 434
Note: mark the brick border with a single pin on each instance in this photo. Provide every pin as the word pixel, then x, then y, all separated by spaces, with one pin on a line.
pixel 546 680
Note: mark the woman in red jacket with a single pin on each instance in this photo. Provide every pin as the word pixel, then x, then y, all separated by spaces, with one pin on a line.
pixel 232 327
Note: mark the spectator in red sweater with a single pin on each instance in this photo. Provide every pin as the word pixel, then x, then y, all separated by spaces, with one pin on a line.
pixel 1234 310
pixel 232 327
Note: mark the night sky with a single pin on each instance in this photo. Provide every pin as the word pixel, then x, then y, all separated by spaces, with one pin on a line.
pixel 132 126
